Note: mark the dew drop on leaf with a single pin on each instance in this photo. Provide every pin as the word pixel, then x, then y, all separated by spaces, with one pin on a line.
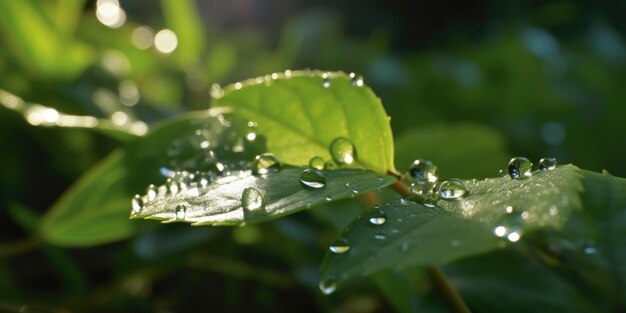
pixel 252 200
pixel 380 236
pixel 265 163
pixel 172 186
pixel 377 217
pixel 520 168
pixel 423 171
pixel 137 204
pixel 328 285
pixel 326 82
pixel 340 246
pixel 502 173
pixel 316 163
pixel 451 189
pixel 312 178
pixel 151 192
pixel 330 165
pixel 181 212
pixel 342 150
pixel 356 80
pixel 546 164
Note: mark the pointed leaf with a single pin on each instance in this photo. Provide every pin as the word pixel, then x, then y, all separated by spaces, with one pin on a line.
pixel 241 197
pixel 303 112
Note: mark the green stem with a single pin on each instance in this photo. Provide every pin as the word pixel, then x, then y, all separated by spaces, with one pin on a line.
pixel 437 277
pixel 14 248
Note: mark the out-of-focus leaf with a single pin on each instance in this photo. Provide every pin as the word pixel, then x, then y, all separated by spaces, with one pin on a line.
pixel 37 43
pixel 515 282
pixel 605 199
pixel 25 217
pixel 462 150
pixel 402 234
pixel 301 117
pixel 242 198
pixel 182 18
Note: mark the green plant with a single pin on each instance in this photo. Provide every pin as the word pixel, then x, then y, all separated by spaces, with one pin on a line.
pixel 278 144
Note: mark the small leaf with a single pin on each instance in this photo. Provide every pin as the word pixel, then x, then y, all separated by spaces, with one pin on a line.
pixel 413 234
pixel 241 197
pixel 302 113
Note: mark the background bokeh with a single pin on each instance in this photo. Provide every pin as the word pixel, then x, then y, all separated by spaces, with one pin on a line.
pixel 467 84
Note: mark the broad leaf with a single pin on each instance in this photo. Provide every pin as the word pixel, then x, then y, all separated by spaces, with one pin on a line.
pixel 301 113
pixel 403 233
pixel 241 197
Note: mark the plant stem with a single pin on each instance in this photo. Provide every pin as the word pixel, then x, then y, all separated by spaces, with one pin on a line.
pixel 18 247
pixel 437 277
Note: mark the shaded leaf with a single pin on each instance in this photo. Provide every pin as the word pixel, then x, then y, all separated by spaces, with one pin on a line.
pixel 300 117
pixel 411 234
pixel 241 197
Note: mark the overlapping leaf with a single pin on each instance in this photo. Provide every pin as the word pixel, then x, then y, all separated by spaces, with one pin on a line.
pixel 302 112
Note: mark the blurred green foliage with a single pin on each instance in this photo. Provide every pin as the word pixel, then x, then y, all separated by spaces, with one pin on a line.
pixel 466 85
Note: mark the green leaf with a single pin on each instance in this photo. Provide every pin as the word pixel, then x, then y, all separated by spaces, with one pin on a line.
pixel 459 150
pixel 95 209
pixel 300 117
pixel 412 234
pixel 182 17
pixel 242 198
pixel 605 200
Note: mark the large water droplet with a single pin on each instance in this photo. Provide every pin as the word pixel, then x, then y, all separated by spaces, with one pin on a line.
pixel 252 200
pixel 312 178
pixel 265 163
pixel 377 217
pixel 546 164
pixel 520 168
pixel 137 204
pixel 342 150
pixel 340 246
pixel 328 285
pixel 151 192
pixel 451 189
pixel 423 170
pixel 317 163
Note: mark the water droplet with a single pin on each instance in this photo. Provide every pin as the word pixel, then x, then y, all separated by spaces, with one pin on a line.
pixel 502 173
pixel 520 168
pixel 137 204
pixel 172 186
pixel 328 285
pixel 181 212
pixel 330 165
pixel 340 246
pixel 151 192
pixel 342 150
pixel 510 225
pixel 356 80
pixel 380 236
pixel 326 82
pixel 265 163
pixel 423 171
pixel 312 178
pixel 329 198
pixel 377 217
pixel 316 163
pixel 430 200
pixel 546 164
pixel 252 200
pixel 451 189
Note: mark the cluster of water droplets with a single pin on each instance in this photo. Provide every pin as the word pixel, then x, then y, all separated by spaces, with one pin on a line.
pixel 522 168
pixel 425 184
